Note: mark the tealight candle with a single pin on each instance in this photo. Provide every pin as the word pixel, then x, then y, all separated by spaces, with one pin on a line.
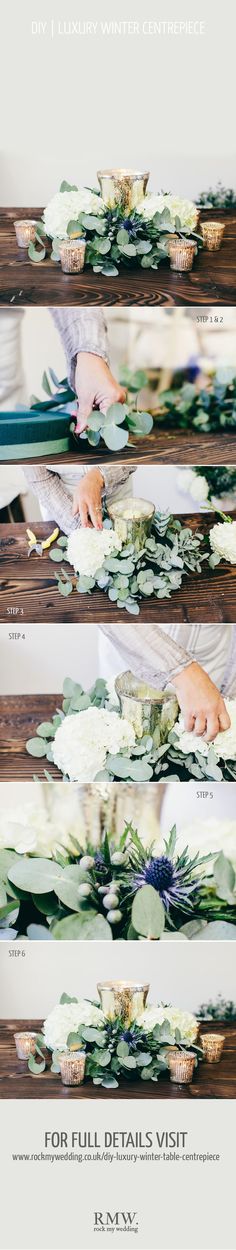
pixel 72 1067
pixel 181 1066
pixel 122 188
pixel 122 998
pixel 25 232
pixel 72 255
pixel 25 1044
pixel 181 253
pixel 212 1045
pixel 132 519
pixel 147 709
pixel 212 234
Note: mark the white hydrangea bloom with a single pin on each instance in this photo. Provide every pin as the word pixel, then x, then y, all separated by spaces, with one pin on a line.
pixel 83 741
pixel 182 1020
pixel 87 549
pixel 184 209
pixel 33 830
pixel 223 540
pixel 224 743
pixel 66 1018
pixel 185 479
pixel 199 488
pixel 66 206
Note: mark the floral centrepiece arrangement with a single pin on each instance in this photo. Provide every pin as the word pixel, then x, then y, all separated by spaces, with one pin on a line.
pixel 131 571
pixel 144 758
pixel 121 890
pixel 218 197
pixel 115 232
pixel 136 1048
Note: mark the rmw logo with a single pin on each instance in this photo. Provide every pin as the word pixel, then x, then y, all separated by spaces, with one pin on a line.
pixel 116 1220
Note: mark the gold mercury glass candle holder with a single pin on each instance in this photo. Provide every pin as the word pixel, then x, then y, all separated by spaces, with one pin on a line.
pixel 212 234
pixel 72 255
pixel 72 1067
pixel 132 519
pixel 122 998
pixel 181 1066
pixel 122 188
pixel 149 711
pixel 25 232
pixel 181 253
pixel 212 1045
pixel 25 1044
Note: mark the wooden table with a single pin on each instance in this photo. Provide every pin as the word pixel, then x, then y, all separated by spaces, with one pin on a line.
pixel 28 589
pixel 210 1080
pixel 211 281
pixel 160 447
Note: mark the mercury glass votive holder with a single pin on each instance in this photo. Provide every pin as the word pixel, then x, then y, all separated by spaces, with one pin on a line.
pixel 147 709
pixel 72 1067
pixel 25 232
pixel 25 1044
pixel 122 998
pixel 132 519
pixel 181 253
pixel 72 255
pixel 212 234
pixel 212 1045
pixel 181 1066
pixel 122 188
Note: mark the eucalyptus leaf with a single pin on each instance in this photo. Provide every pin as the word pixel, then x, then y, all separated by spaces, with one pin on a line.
pixel 148 915
pixel 114 437
pixel 79 928
pixel 36 747
pixel 38 876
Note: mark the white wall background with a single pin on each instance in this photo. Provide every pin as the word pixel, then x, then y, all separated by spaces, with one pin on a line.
pixel 162 103
pixel 47 654
pixel 182 974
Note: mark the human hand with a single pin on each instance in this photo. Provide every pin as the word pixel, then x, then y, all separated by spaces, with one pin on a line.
pixel 87 499
pixel 95 387
pixel 201 703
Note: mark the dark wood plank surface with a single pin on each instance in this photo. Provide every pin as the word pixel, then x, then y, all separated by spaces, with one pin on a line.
pixel 160 447
pixel 19 717
pixel 211 281
pixel 28 590
pixel 210 1080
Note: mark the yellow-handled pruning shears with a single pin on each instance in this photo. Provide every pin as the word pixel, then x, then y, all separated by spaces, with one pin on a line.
pixel 39 547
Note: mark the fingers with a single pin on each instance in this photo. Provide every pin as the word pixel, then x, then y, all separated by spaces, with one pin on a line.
pixel 224 718
pixel 95 510
pixel 189 722
pixel 116 396
pixel 83 511
pixel 200 723
pixel 82 417
pixel 213 727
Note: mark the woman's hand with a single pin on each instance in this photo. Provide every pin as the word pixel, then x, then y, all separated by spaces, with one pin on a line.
pixel 201 703
pixel 87 500
pixel 95 387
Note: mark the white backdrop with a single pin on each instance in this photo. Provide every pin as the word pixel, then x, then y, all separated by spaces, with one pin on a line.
pixel 184 974
pixel 164 103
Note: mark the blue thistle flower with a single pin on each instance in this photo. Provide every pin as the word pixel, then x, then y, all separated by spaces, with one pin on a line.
pixel 172 882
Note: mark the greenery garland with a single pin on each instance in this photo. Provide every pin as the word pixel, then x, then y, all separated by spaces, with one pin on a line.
pixel 210 409
pixel 217 197
pixel 148 760
pixel 132 575
pixel 117 1050
pixel 122 890
pixel 114 236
